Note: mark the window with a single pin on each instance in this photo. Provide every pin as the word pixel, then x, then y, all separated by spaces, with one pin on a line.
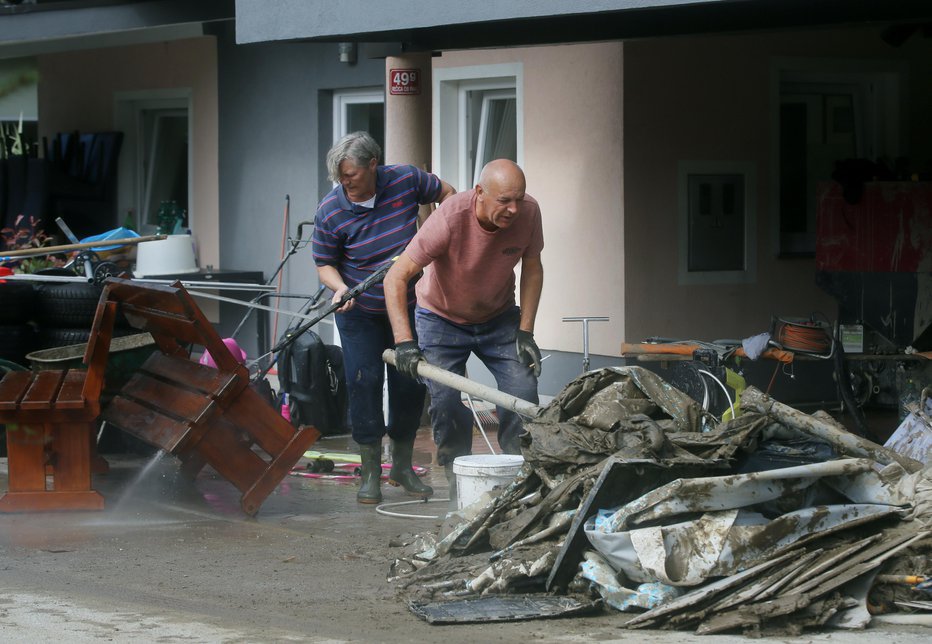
pixel 478 117
pixel 359 109
pixel 155 162
pixel 825 117
pixel 717 223
pixel 492 126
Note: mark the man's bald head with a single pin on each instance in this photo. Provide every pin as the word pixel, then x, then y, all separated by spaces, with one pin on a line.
pixel 499 193
pixel 501 172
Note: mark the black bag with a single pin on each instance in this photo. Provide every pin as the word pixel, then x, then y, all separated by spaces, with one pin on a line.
pixel 312 375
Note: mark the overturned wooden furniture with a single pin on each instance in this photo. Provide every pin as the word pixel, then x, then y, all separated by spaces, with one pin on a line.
pixel 50 419
pixel 200 414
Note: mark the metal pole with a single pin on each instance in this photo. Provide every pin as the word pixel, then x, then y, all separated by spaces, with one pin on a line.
pixel 471 387
pixel 585 335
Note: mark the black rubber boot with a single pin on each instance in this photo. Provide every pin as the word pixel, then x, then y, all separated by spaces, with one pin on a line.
pixel 370 484
pixel 451 481
pixel 403 474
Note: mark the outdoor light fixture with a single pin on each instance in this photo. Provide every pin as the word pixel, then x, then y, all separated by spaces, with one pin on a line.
pixel 347 52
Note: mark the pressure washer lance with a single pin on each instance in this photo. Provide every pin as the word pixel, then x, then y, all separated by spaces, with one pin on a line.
pixel 471 387
pixel 377 276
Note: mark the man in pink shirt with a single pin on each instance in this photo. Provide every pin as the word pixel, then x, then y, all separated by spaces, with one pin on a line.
pixel 468 250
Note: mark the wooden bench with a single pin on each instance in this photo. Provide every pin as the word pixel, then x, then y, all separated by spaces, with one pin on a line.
pixel 50 419
pixel 200 414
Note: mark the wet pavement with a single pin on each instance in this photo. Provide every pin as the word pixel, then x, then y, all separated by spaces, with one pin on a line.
pixel 174 560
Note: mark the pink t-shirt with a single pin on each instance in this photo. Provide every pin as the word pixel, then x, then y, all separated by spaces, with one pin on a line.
pixel 469 276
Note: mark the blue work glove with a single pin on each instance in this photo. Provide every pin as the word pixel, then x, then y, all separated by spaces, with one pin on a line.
pixel 407 355
pixel 528 353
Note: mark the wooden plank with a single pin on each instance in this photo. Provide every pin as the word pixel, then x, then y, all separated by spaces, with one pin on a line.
pixel 278 469
pixel 71 394
pixel 187 373
pixel 51 500
pixel 258 419
pixel 13 387
pixel 144 423
pixel 72 467
pixel 98 347
pixel 182 404
pixel 25 446
pixel 184 331
pixel 43 390
pixel 223 450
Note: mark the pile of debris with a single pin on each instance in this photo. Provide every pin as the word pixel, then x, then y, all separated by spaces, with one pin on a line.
pixel 772 522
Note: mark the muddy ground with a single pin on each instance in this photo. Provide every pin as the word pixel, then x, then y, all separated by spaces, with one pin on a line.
pixel 174 561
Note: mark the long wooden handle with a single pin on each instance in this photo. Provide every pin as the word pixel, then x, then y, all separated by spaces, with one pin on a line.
pixel 65 248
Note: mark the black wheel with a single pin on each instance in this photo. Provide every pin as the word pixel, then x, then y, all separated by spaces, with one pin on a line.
pixel 66 305
pixel 17 300
pixel 81 260
pixel 104 270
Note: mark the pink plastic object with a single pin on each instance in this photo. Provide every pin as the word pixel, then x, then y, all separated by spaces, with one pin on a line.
pixel 286 409
pixel 238 354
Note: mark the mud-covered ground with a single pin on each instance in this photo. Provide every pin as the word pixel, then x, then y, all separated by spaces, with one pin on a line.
pixel 172 561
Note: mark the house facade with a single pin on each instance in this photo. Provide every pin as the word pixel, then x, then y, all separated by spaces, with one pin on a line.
pixel 676 147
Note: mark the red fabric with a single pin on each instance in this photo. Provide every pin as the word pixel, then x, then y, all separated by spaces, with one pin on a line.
pixel 888 231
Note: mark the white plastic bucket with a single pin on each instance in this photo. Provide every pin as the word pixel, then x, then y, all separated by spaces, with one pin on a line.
pixel 169 256
pixel 479 473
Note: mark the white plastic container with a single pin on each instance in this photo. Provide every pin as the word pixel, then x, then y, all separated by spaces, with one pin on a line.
pixel 479 473
pixel 169 256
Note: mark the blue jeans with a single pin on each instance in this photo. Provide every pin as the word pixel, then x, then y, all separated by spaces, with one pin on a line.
pixel 364 337
pixel 447 345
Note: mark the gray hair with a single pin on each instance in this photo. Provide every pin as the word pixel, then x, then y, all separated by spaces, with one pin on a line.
pixel 359 148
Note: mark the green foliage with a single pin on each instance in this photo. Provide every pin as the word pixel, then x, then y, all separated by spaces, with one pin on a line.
pixel 26 234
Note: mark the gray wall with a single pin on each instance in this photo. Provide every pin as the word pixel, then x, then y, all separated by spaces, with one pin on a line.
pixel 275 128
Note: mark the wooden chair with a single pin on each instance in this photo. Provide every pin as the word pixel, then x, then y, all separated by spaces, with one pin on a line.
pixel 200 414
pixel 50 419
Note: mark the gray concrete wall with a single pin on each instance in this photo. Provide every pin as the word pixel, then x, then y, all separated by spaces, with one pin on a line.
pixel 275 128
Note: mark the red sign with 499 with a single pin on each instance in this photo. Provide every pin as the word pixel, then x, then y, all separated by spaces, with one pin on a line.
pixel 404 81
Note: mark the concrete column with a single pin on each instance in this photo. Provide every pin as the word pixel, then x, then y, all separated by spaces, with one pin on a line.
pixel 407 115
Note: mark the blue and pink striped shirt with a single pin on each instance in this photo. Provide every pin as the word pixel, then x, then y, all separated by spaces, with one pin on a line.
pixel 357 240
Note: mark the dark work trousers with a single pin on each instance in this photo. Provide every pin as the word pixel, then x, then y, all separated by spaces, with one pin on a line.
pixel 364 337
pixel 447 345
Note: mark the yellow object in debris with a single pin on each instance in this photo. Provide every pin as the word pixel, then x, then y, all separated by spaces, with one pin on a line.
pixel 736 381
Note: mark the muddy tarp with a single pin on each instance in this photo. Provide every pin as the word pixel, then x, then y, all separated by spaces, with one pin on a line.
pixel 626 410
pixel 691 530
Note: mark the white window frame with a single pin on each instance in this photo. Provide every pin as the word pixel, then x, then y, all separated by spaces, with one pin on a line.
pixel 747 170
pixel 450 129
pixel 131 182
pixel 342 98
pixel 488 95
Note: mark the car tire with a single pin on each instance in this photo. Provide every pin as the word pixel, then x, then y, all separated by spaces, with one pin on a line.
pixel 69 305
